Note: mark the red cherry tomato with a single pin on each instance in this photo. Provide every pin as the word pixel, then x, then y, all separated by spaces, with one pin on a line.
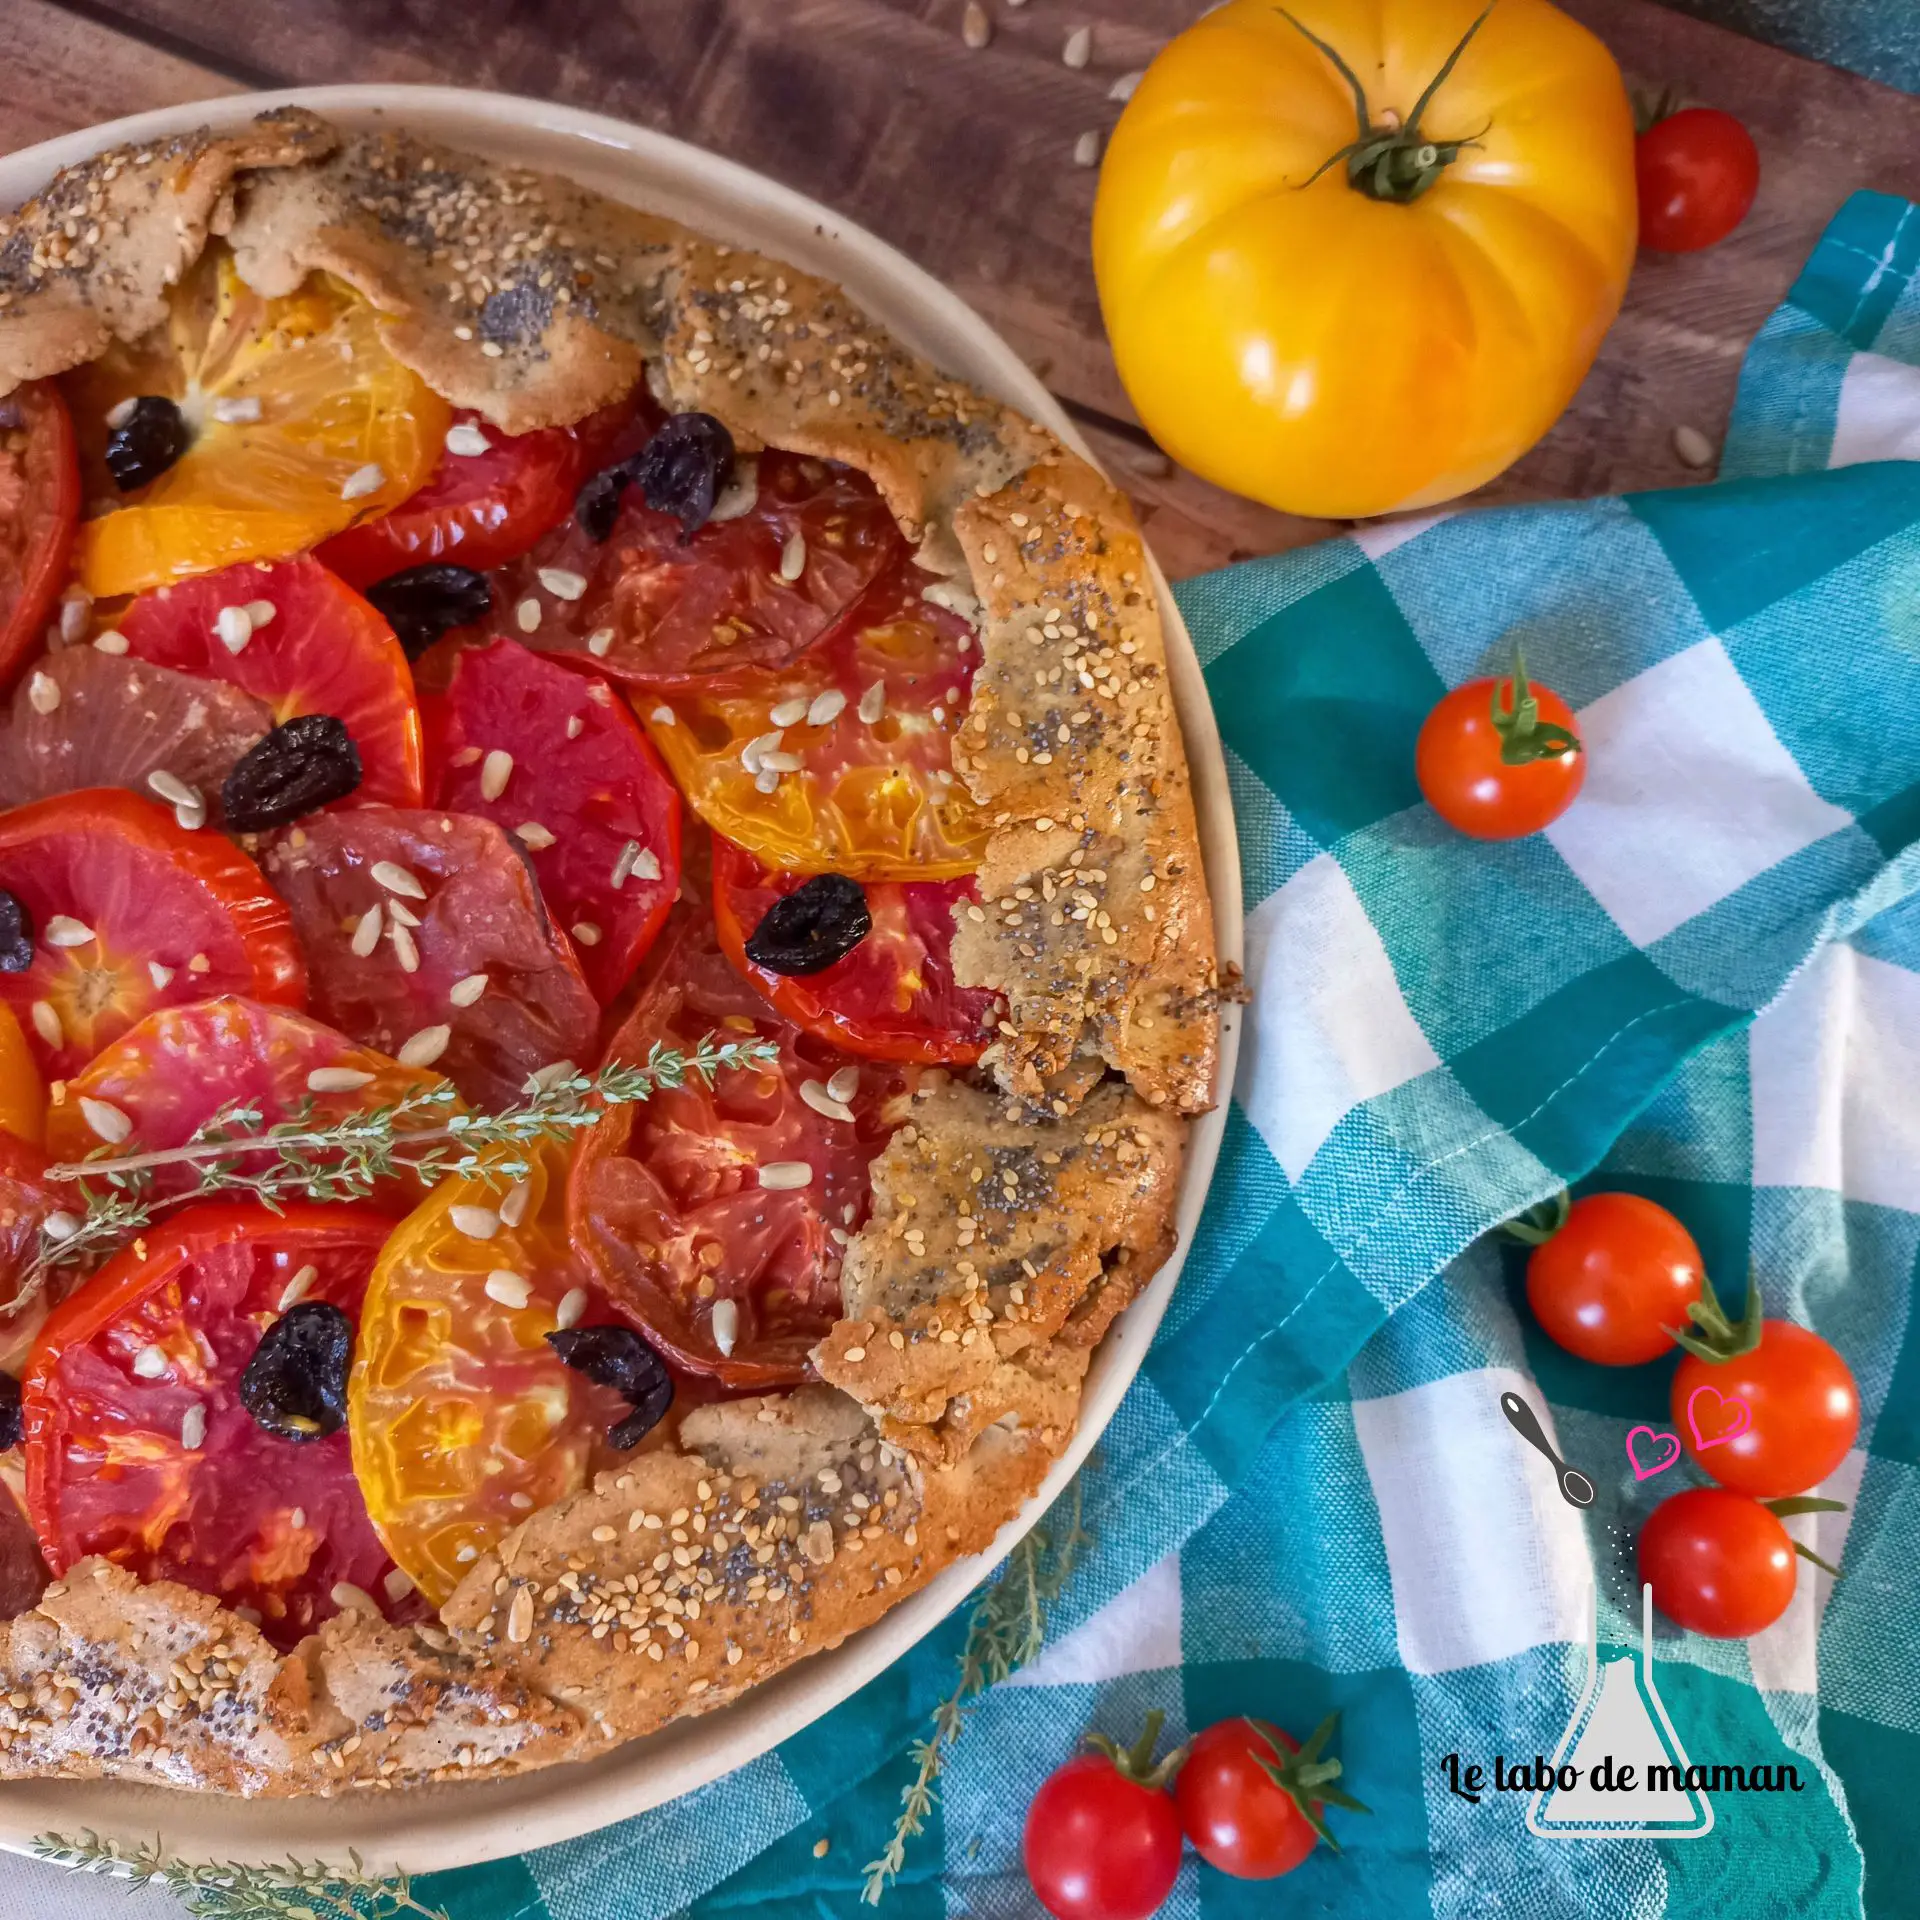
pixel 39 507
pixel 479 510
pixel 1718 1563
pixel 1803 1412
pixel 1248 1805
pixel 1101 1844
pixel 1613 1279
pixel 1698 172
pixel 1499 758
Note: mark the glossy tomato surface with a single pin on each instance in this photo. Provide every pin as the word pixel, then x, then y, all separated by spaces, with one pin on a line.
pixel 23 1095
pixel 1433 340
pixel 26 1198
pixel 1802 1408
pixel 155 1344
pixel 321 649
pixel 39 507
pixel 1614 1279
pixel 464 1419
pixel 181 1067
pixel 1098 1846
pixel 1237 1816
pixel 561 764
pixel 110 720
pixel 1718 1563
pixel 1458 762
pixel 1698 172
pixel 893 997
pixel 781 761
pixel 461 952
pixel 323 427
pixel 478 510
pixel 751 591
pixel 151 914
pixel 668 1203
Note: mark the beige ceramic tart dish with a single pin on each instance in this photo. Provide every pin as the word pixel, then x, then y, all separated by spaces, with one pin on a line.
pixel 1015 1215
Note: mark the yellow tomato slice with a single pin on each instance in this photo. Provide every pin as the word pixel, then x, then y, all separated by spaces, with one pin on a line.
pixel 302 424
pixel 463 1419
pixel 23 1098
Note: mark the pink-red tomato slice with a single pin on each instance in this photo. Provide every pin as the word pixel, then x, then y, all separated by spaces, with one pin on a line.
pixel 109 720
pixel 132 912
pixel 138 1445
pixel 661 608
pixel 321 649
pixel 667 1204
pixel 893 997
pixel 39 509
pixel 461 943
pixel 563 766
pixel 183 1066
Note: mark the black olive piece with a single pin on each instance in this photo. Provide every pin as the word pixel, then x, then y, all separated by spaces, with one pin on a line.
pixel 12 1424
pixel 295 1386
pixel 147 442
pixel 683 467
pixel 424 602
pixel 298 768
pixel 811 927
pixel 597 504
pixel 619 1358
pixel 16 935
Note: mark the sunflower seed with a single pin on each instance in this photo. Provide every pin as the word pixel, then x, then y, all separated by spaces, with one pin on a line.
pixel 105 1119
pixel 464 992
pixel 43 692
pixel 76 609
pixel 337 1080
pixel 600 642
pixel 562 582
pixel 873 703
pixel 261 613
pixel 366 935
pixel 827 708
pixel 396 879
pixel 766 781
pixel 844 1084
pixel 815 1094
pixel 173 790
pixel 664 717
pixel 236 411
pixel 351 1599
pixel 1123 88
pixel 520 1616
pixel 779 1176
pixel 508 1288
pixel 477 1223
pixel 781 763
pixel 150 1362
pixel 298 1287
pixel 572 1309
pixel 726 1324
pixel 405 950
pixel 112 641
pixel 646 864
pixel 514 1203
pixel 463 437
pixel 63 930
pixel 1086 150
pixel 759 744
pixel 793 556
pixel 530 833
pixel 623 867
pixel 976 29
pixel 162 977
pixel 741 493
pixel 1079 48
pixel 1693 447
pixel 585 932
pixel 60 1225
pixel 362 481
pixel 422 1049
pixel 495 771
pixel 789 713
pixel 401 914
pixel 398 1584
pixel 526 616
pixel 193 1428
pixel 121 412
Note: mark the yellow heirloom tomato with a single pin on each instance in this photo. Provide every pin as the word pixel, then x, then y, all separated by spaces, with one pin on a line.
pixel 1357 255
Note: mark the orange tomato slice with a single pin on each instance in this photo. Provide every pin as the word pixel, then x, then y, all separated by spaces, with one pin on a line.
pixel 23 1095
pixel 464 1419
pixel 302 425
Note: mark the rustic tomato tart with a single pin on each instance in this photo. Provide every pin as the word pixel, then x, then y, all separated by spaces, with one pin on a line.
pixel 604 965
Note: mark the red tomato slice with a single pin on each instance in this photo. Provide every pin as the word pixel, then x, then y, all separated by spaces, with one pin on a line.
pixel 893 997
pixel 115 721
pixel 39 508
pixel 181 1066
pixel 156 915
pixel 583 785
pixel 676 608
pixel 26 1198
pixel 262 1521
pixel 875 799
pixel 323 650
pixel 666 1200
pixel 480 921
pixel 479 510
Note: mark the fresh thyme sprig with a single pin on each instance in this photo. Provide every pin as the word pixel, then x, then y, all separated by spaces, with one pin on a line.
pixel 291 1890
pixel 423 1133
pixel 1007 1628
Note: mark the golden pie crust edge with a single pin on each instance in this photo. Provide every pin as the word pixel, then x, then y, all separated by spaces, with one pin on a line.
pixel 1011 1222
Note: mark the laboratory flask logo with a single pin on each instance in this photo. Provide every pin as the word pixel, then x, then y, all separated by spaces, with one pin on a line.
pixel 1629 1769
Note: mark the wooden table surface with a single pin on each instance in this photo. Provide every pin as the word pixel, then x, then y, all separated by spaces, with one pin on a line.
pixel 964 159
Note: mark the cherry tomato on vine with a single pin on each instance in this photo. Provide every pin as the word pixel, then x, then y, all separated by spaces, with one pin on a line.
pixel 1102 1839
pixel 1250 1797
pixel 1613 1278
pixel 1698 171
pixel 1720 1563
pixel 1498 759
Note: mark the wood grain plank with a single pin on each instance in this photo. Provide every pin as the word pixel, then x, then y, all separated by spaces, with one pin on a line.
pixel 963 159
pixel 64 73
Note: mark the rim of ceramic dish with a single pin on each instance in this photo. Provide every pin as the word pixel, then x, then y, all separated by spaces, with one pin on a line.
pixel 436 1827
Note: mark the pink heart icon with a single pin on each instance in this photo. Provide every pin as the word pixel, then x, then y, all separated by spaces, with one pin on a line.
pixel 1670 1441
pixel 1736 1411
